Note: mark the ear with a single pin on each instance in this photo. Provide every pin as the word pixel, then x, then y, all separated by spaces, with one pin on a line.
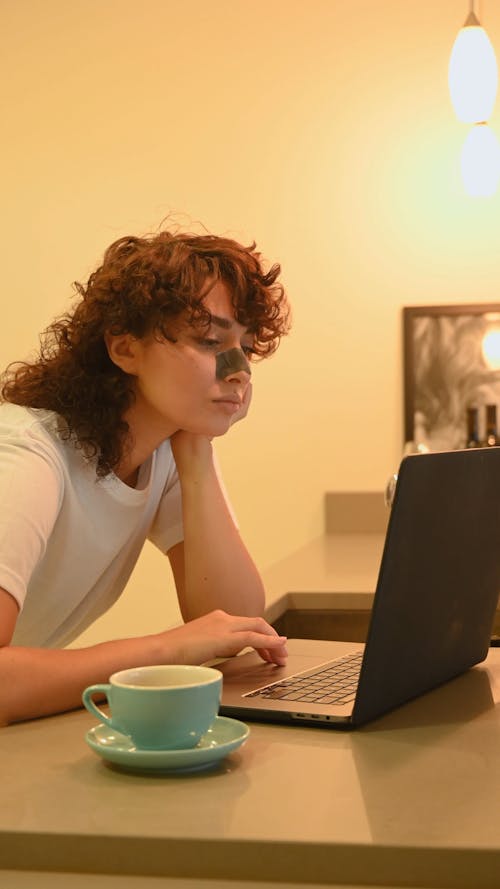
pixel 123 351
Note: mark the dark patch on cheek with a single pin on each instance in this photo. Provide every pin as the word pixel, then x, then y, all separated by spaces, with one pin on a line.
pixel 230 362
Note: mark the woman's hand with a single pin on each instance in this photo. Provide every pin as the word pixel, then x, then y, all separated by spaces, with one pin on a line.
pixel 219 634
pixel 245 405
pixel 193 454
pixel 192 451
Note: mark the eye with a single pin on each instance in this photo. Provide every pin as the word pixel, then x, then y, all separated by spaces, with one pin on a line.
pixel 248 351
pixel 208 342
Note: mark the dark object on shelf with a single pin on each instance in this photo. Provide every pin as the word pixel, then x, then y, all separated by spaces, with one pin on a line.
pixel 473 428
pixel 492 439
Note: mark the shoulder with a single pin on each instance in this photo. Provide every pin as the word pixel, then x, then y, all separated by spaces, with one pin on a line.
pixel 15 418
pixel 26 432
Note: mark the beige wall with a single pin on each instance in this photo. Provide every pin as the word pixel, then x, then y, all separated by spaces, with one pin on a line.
pixel 323 129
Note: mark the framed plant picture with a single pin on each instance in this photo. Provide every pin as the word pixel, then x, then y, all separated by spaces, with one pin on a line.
pixel 451 372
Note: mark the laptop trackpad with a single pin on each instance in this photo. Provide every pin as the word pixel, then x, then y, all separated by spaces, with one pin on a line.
pixel 304 654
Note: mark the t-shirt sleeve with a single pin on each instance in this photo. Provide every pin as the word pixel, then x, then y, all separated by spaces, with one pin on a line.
pixel 167 528
pixel 30 498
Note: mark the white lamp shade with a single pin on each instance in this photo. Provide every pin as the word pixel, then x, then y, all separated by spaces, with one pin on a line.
pixel 491 348
pixel 481 162
pixel 473 75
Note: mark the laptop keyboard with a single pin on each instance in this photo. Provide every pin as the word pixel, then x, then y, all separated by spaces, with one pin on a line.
pixel 332 683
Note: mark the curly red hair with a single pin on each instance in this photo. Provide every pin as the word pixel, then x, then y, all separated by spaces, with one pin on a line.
pixel 142 285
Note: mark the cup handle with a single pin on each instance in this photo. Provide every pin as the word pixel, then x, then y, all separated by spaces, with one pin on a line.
pixel 89 703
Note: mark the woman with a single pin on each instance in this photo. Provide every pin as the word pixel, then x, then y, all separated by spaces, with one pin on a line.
pixel 105 440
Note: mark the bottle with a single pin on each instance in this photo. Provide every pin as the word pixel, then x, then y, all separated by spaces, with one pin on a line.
pixel 492 438
pixel 472 428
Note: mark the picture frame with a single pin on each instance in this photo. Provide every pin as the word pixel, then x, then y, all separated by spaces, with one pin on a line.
pixel 451 357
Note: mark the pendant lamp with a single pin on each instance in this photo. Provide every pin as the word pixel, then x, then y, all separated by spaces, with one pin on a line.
pixel 491 347
pixel 480 162
pixel 472 72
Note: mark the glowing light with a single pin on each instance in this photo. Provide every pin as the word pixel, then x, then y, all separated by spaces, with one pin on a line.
pixel 472 73
pixel 491 348
pixel 480 162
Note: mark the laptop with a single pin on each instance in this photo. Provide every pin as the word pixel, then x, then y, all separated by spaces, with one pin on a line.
pixel 432 615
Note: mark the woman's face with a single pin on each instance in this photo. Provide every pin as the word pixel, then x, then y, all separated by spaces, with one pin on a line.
pixel 195 383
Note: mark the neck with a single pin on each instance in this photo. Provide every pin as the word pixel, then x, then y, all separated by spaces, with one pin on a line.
pixel 129 479
pixel 142 440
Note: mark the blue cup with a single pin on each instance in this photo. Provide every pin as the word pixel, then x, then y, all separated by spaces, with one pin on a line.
pixel 165 707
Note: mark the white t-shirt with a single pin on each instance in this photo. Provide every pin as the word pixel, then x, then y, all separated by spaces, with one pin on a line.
pixel 69 540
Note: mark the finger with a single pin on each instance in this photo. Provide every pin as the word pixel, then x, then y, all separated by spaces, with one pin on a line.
pixel 248 394
pixel 278 656
pixel 245 404
pixel 265 654
pixel 272 657
pixel 275 645
pixel 258 625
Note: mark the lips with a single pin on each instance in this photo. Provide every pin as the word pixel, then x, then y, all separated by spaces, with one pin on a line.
pixel 236 401
pixel 229 405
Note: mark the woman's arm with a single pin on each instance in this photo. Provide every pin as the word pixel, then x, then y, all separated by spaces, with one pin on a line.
pixel 38 682
pixel 212 567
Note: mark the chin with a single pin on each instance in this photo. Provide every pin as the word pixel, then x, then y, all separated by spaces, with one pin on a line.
pixel 218 429
pixel 217 433
pixel 220 434
pixel 211 430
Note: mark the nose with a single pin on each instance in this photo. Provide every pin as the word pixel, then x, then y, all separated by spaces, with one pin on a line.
pixel 232 364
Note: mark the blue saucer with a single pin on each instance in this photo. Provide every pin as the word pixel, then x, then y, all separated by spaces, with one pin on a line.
pixel 223 736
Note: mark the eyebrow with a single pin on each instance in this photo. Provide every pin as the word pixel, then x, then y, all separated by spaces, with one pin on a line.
pixel 225 323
